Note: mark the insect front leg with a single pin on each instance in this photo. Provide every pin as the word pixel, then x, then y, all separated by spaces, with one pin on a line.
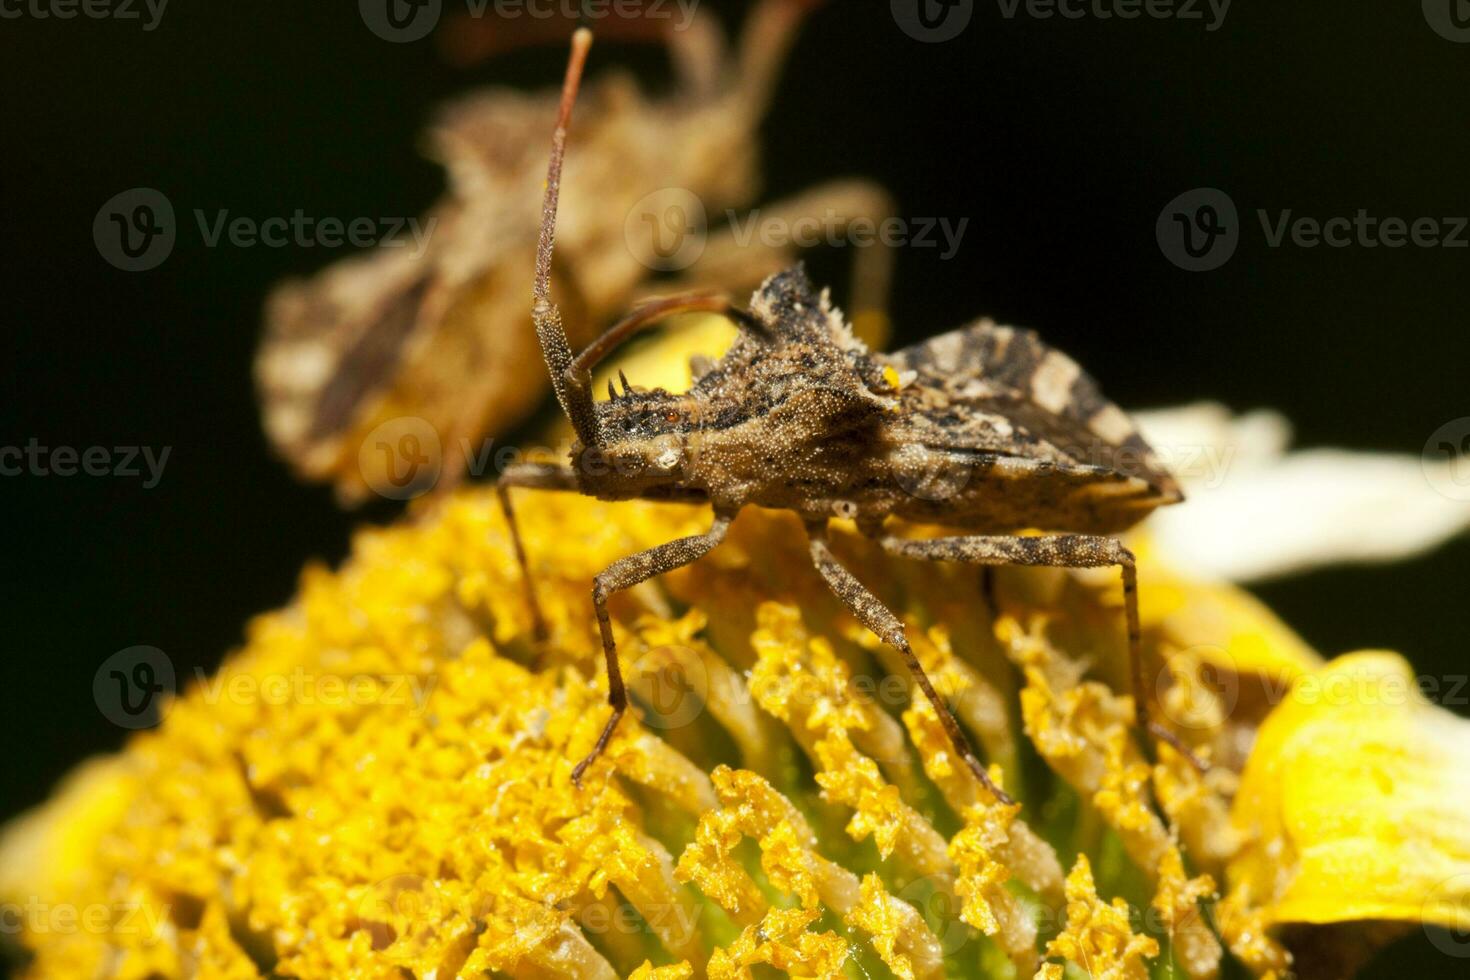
pixel 624 574
pixel 541 477
pixel 871 612
pixel 1059 551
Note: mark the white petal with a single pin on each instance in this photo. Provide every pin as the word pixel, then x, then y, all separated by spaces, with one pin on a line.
pixel 1255 511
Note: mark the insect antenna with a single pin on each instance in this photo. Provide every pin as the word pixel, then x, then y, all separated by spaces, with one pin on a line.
pixel 571 392
pixel 766 40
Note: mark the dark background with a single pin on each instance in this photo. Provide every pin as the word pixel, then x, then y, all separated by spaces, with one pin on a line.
pixel 1060 140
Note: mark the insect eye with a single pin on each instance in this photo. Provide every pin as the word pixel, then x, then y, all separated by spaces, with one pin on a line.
pixel 671 416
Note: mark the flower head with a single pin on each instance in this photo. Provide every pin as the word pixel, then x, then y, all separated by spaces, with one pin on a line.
pixel 778 798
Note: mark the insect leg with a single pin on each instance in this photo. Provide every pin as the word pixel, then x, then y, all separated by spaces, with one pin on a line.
pixel 646 315
pixel 871 612
pixel 987 590
pixel 1059 551
pixel 765 41
pixel 626 573
pixel 544 477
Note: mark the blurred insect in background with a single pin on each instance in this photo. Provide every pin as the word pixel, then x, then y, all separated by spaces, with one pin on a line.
pixel 984 429
pixel 439 334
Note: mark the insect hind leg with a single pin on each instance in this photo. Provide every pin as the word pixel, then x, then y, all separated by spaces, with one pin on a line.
pixel 1060 551
pixel 624 574
pixel 871 612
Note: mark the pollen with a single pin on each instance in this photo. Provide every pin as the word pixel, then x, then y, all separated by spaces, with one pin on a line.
pixel 780 797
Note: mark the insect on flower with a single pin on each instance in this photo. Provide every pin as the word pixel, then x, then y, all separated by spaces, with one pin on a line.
pixel 434 329
pixel 984 429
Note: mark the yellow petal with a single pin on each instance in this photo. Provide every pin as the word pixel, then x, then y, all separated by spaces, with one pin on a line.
pixel 1356 800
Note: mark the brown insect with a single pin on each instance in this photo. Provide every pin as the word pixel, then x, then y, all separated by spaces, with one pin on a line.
pixel 436 332
pixel 984 429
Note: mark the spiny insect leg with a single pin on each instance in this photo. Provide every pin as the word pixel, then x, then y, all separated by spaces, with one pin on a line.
pixel 1060 551
pixel 624 574
pixel 871 612
pixel 544 477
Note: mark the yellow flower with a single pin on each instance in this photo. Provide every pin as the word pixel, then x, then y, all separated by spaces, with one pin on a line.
pixel 778 799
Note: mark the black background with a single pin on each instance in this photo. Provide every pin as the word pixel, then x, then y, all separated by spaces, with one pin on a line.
pixel 1060 140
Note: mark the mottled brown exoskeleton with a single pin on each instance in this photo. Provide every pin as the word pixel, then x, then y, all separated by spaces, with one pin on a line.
pixel 433 329
pixel 983 429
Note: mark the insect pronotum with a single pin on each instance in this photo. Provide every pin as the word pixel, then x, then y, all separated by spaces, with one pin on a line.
pixel 984 429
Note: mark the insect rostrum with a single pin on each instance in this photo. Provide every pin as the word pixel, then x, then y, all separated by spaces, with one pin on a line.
pixel 984 429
